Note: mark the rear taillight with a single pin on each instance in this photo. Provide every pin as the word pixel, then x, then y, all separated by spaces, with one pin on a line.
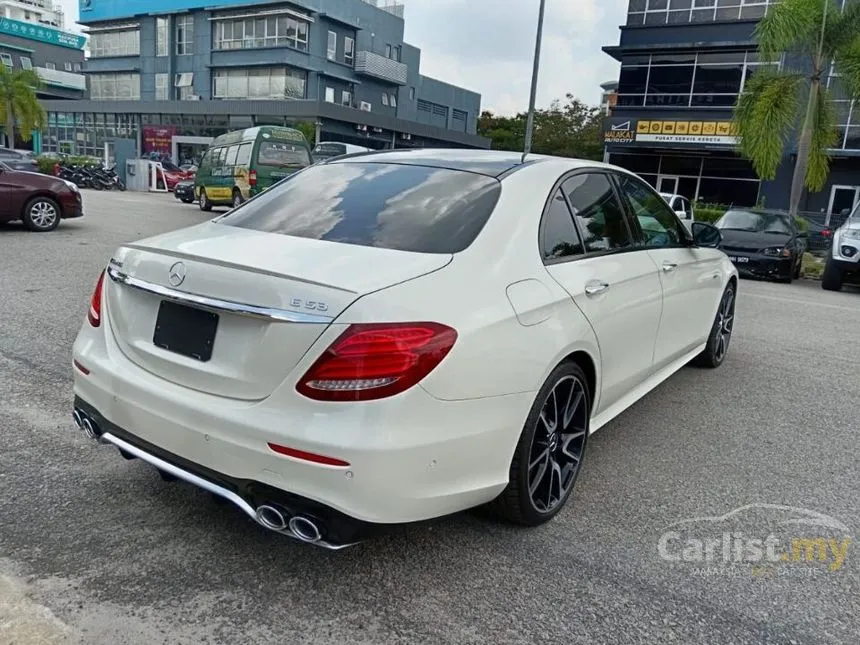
pixel 374 361
pixel 252 178
pixel 94 315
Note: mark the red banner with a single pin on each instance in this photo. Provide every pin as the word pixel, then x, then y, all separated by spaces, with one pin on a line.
pixel 157 139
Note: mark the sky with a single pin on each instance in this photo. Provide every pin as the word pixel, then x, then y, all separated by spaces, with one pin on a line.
pixel 474 44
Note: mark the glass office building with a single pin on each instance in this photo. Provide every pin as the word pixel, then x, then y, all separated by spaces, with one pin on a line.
pixel 683 65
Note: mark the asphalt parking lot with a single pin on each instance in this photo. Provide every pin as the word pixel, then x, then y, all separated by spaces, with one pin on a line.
pixel 94 549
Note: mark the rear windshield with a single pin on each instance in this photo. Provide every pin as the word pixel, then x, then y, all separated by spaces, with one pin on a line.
pixel 274 153
pixel 391 206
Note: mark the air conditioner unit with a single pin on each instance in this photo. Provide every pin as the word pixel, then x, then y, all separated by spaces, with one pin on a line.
pixel 406 137
pixel 365 106
pixel 361 128
pixel 377 130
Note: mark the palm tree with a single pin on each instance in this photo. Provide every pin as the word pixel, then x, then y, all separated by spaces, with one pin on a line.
pixel 18 102
pixel 813 34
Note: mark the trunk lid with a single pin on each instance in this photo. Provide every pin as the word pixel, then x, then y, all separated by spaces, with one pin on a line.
pixel 303 283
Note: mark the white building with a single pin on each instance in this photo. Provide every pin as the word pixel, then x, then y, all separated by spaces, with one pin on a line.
pixel 40 12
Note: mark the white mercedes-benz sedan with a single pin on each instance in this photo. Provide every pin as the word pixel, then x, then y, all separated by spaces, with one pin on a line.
pixel 389 337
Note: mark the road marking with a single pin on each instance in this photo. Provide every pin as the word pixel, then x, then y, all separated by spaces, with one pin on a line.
pixel 811 303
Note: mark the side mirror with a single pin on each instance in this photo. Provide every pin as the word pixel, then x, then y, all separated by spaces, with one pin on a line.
pixel 705 234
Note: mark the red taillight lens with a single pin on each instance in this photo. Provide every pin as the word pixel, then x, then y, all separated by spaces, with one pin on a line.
pixel 374 361
pixel 252 177
pixel 94 315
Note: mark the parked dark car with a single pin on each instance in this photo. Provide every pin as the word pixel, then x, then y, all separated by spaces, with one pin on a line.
pixel 18 160
pixel 765 244
pixel 40 201
pixel 184 191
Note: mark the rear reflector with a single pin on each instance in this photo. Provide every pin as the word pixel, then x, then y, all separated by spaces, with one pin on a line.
pixel 307 456
pixel 83 370
pixel 94 315
pixel 378 360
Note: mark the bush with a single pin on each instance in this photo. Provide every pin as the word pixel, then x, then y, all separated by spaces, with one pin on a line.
pixel 46 162
pixel 709 213
pixel 812 267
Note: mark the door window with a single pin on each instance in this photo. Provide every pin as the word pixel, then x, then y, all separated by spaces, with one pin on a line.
pixel 653 221
pixel 560 239
pixel 598 212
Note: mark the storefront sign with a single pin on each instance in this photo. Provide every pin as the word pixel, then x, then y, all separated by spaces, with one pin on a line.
pixel 157 139
pixel 629 131
pixel 41 33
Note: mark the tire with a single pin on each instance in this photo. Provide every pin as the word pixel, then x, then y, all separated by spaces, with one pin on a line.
pixel 41 214
pixel 831 279
pixel 721 332
pixel 238 200
pixel 204 204
pixel 541 449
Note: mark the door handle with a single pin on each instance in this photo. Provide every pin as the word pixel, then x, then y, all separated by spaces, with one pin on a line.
pixel 595 287
pixel 669 266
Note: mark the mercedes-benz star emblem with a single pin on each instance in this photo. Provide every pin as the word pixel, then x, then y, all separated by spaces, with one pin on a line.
pixel 177 274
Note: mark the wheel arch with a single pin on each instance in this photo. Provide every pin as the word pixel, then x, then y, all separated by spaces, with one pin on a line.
pixel 41 193
pixel 588 365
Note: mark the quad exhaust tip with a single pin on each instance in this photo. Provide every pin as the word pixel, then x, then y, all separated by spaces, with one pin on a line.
pixel 300 527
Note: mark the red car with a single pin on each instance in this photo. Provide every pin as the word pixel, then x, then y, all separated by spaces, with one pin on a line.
pixel 40 201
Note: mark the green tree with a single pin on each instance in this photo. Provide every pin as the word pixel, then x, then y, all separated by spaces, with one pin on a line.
pixel 572 129
pixel 792 103
pixel 18 102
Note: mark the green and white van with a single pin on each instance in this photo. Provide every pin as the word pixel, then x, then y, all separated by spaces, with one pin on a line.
pixel 241 164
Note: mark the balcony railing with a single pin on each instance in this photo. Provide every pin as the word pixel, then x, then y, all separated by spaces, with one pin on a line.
pixel 392 7
pixel 62 79
pixel 378 66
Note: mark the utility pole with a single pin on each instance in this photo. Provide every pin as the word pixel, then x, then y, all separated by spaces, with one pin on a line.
pixel 531 118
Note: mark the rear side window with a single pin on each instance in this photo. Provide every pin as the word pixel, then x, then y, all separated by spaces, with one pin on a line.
pixel 598 212
pixel 391 206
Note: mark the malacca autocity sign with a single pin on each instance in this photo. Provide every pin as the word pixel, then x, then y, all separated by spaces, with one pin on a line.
pixel 701 132
pixel 41 34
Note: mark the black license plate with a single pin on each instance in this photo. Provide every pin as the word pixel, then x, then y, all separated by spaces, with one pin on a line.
pixel 185 330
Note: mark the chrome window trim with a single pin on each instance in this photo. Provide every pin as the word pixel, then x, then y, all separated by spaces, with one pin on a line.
pixel 218 305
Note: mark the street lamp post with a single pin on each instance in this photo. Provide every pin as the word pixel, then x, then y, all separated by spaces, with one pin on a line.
pixel 530 122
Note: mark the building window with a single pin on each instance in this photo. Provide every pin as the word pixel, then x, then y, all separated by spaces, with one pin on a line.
pixel 47 65
pixel 184 82
pixel 331 51
pixel 385 98
pixel 67 66
pixel 161 87
pixel 115 43
pixel 6 59
pixel 393 101
pixel 26 62
pixel 269 31
pixel 707 80
pixel 114 87
pixel 398 53
pixel 388 51
pixel 329 95
pixel 259 83
pixel 184 35
pixel 348 50
pixel 346 98
pixel 77 67
pixel 411 93
pixel 162 33
pixel 674 12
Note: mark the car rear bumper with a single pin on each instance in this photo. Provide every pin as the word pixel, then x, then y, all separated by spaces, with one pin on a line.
pixel 409 458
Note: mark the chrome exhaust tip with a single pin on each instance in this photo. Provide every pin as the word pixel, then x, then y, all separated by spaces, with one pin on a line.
pixel 271 518
pixel 305 529
pixel 76 417
pixel 90 429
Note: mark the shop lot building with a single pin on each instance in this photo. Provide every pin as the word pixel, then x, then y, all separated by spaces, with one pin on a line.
pixel 683 65
pixel 172 74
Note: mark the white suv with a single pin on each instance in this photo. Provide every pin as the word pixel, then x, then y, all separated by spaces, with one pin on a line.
pixel 844 258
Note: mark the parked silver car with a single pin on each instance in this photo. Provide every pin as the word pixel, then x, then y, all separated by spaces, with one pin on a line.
pixel 843 262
